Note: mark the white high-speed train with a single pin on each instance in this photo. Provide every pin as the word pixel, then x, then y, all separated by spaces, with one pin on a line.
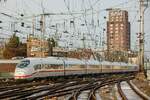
pixel 30 68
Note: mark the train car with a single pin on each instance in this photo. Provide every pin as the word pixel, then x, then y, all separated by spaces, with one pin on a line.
pixel 74 66
pixel 30 68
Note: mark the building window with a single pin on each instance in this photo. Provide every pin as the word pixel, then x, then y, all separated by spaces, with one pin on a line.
pixel 111 25
pixel 116 35
pixel 111 28
pixel 112 14
pixel 117 39
pixel 121 28
pixel 116 25
pixel 116 28
pixel 122 25
pixel 117 19
pixel 111 31
pixel 112 17
pixel 111 37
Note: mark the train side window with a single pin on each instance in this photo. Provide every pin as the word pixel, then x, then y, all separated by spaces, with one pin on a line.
pixel 53 66
pixel 49 66
pixel 82 66
pixel 37 67
pixel 46 66
pixel 107 66
pixel 125 67
pixel 56 66
pixel 95 66
pixel 75 66
pixel 67 65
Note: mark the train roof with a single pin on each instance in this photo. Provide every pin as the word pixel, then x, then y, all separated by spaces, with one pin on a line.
pixel 122 64
pixel 32 58
pixel 52 60
pixel 119 64
pixel 60 60
pixel 93 62
pixel 57 60
pixel 74 61
pixel 132 64
pixel 49 60
pixel 106 63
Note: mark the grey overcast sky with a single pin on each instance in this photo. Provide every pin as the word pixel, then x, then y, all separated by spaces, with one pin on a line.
pixel 34 7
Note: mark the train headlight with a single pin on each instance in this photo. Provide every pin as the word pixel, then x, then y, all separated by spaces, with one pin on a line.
pixel 19 75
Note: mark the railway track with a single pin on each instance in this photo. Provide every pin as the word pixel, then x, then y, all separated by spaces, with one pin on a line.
pixel 7 81
pixel 129 93
pixel 25 90
pixel 94 87
pixel 73 89
pixel 123 96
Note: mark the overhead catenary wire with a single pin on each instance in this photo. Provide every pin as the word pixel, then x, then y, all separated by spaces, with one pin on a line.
pixel 71 13
pixel 81 15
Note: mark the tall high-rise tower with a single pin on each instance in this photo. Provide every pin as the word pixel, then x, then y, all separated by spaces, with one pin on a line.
pixel 118 31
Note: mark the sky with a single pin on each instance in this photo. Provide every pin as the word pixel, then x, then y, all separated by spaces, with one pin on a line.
pixel 88 13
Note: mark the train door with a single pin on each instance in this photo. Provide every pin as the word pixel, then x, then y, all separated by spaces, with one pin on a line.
pixel 64 68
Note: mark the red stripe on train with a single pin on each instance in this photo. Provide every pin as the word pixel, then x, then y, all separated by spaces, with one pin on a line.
pixel 27 76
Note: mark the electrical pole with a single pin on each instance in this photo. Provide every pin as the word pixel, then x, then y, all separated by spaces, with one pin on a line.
pixel 142 9
pixel 41 35
pixel 33 25
pixel 83 41
pixel 141 37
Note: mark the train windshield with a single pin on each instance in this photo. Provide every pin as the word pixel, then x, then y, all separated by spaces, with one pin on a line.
pixel 23 64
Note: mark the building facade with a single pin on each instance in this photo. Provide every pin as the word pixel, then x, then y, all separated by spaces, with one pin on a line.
pixel 118 31
pixel 36 47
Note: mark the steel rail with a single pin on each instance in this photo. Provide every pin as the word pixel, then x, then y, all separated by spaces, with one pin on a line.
pixel 123 96
pixel 143 96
